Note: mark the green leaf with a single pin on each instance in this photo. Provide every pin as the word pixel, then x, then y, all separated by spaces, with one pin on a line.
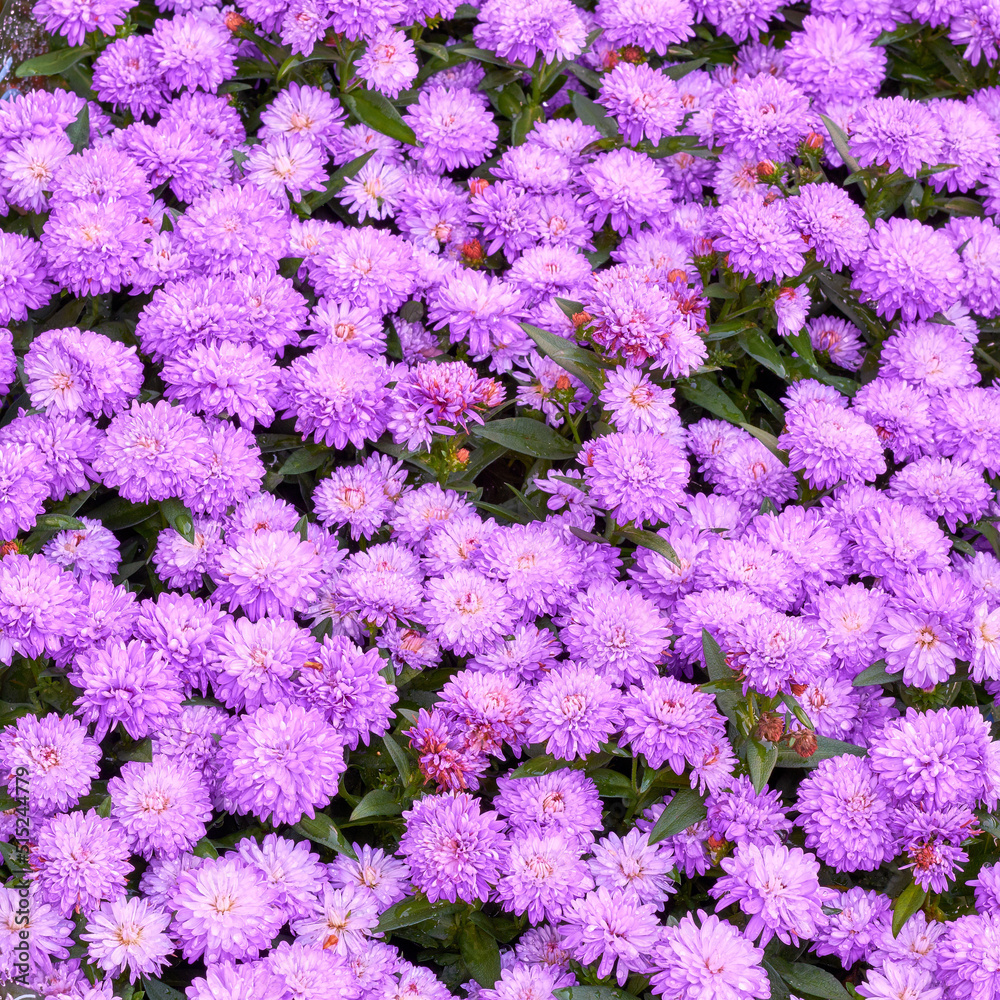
pixel 810 979
pixel 58 522
pixel 205 849
pixel 842 143
pixel 399 758
pixel 334 184
pixel 680 70
pixel 685 809
pixel 79 131
pixel 593 114
pixel 651 540
pixel 585 365
pixel 762 349
pixel 374 109
pixel 592 993
pixel 612 783
pixel 542 764
pixel 962 206
pixel 760 761
pixel 907 903
pixel 779 988
pixel 142 751
pixel 436 50
pixel 53 63
pixel 875 674
pixel 155 990
pixel 414 910
pixel 303 460
pixel 481 954
pixel 322 830
pixel 119 513
pixel 715 661
pixel 377 802
pixel 179 518
pixel 705 393
pixel 825 749
pixel 527 437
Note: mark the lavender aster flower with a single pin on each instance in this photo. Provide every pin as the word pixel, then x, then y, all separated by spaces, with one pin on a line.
pixel 834 225
pixel 778 888
pixel 626 187
pixel 129 935
pixel 24 280
pixel 759 239
pixel 194 50
pixel 548 29
pixel 608 926
pixel 764 118
pixel 286 163
pixel 709 958
pixel 653 25
pixel 845 814
pixel 80 860
pixel 542 874
pixel 644 102
pixel 898 134
pixel 454 126
pixel 224 909
pixel 60 758
pixel 74 20
pixel 280 763
pixel 163 806
pixel 452 848
pixel 127 75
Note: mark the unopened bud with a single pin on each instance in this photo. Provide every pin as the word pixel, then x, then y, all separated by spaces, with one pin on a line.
pixel 632 54
pixel 472 251
pixel 610 60
pixel 462 456
pixel 9 547
pixel 805 744
pixel 765 169
pixel 771 727
pixel 477 185
pixel 798 689
pixel 562 383
pixel 235 21
pixel 814 141
pixel 581 319
pixel 677 274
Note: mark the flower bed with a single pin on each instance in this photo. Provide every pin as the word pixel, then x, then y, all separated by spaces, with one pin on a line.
pixel 501 503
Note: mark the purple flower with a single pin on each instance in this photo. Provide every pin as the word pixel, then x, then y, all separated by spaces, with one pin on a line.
pixel 845 814
pixel 573 710
pixel 763 118
pixel 644 102
pixel 542 874
pixel 759 239
pixel 194 50
pixel 24 281
pixel 454 127
pixel 742 815
pixel 127 75
pixel 669 722
pixel 891 538
pixel 289 868
pixel 654 25
pixel 89 551
pixel 346 685
pixel 127 683
pixel 935 758
pixel 631 864
pixel 163 806
pixel 93 248
pixel 908 267
pixel 549 29
pixel 710 958
pixel 307 970
pixel 129 934
pixel 267 573
pixel 452 848
pixel 852 933
pixel 280 763
pixel 382 875
pixel 637 404
pixel 80 860
pixel 339 921
pixel 838 339
pixel 465 610
pixel 74 20
pixel 480 309
pixel 238 228
pixel 897 980
pixel 60 758
pixel 609 926
pixel 291 164
pixel 224 909
pixel 898 134
pixel 778 888
pixel 834 225
pixel 626 187
pixel 828 444
pixel 832 59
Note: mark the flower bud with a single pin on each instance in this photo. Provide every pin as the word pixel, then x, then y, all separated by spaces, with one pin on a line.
pixel 771 727
pixel 477 185
pixel 804 744
pixel 235 21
